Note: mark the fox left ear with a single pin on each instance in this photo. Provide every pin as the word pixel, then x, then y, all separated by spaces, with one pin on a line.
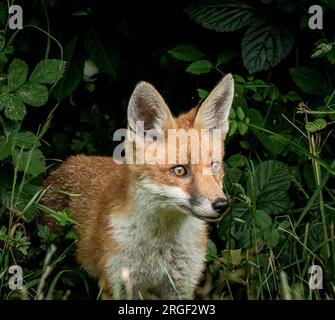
pixel 214 111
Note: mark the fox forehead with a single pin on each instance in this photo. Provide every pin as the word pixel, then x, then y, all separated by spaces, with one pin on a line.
pixel 183 143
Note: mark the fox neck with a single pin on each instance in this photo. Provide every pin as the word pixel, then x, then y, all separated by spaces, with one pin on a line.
pixel 150 216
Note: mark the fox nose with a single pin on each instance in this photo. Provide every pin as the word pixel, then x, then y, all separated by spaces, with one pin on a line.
pixel 220 205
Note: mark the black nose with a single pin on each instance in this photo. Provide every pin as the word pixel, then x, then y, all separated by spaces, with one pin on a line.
pixel 220 205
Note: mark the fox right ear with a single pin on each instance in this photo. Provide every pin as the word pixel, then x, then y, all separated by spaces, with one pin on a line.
pixel 147 105
pixel 214 111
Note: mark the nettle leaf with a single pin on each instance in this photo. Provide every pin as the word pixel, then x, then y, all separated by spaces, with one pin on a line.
pixel 222 16
pixel 106 57
pixel 73 73
pixel 17 74
pixel 14 107
pixel 31 161
pixel 34 94
pixel 186 53
pixel 265 44
pixel 310 81
pixel 200 67
pixel 48 71
pixel 271 181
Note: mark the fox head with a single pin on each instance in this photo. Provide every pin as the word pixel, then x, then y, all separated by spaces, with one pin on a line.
pixel 188 186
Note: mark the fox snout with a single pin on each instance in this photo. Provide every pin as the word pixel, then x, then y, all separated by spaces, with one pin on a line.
pixel 220 205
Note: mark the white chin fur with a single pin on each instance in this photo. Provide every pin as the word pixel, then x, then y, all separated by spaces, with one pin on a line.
pixel 178 198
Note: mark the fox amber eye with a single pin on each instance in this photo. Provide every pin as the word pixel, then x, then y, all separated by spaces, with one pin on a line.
pixel 179 171
pixel 216 167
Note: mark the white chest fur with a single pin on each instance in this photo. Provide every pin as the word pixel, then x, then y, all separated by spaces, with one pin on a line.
pixel 159 246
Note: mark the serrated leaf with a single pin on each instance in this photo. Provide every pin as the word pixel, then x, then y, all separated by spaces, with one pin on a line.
pixel 200 67
pixel 271 181
pixel 106 57
pixel 223 16
pixel 14 107
pixel 265 44
pixel 186 53
pixel 25 139
pixel 262 220
pixel 309 81
pixel 30 161
pixel 34 94
pixel 73 73
pixel 17 74
pixel 48 71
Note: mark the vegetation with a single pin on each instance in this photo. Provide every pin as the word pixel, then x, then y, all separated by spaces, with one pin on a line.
pixel 65 81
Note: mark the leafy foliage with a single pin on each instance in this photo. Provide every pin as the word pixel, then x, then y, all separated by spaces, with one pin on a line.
pixel 265 42
pixel 279 168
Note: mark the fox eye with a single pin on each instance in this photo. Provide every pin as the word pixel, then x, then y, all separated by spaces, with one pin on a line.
pixel 216 167
pixel 179 171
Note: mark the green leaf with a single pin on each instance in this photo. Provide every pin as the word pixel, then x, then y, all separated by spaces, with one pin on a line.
pixel 240 113
pixel 265 44
pixel 237 160
pixel 222 15
pixel 309 81
pixel 242 128
pixel 30 161
pixel 186 53
pixel 232 127
pixel 331 56
pixel 34 94
pixel 225 57
pixel 17 74
pixel 200 67
pixel 25 139
pixel 106 57
pixel 262 220
pixel 5 148
pixel 271 237
pixel 211 250
pixel 202 93
pixel 14 107
pixel 73 73
pixel 48 71
pixel 271 181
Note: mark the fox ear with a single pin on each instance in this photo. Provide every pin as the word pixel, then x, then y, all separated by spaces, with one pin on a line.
pixel 214 111
pixel 147 105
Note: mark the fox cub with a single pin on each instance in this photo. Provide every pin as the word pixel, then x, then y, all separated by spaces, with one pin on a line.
pixel 142 226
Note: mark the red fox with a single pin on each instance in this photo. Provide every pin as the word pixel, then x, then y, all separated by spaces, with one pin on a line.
pixel 144 225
